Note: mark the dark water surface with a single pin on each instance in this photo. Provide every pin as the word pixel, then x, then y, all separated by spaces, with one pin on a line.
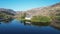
pixel 17 27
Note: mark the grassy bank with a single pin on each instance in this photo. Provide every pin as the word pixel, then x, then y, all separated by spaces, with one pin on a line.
pixel 43 19
pixel 37 19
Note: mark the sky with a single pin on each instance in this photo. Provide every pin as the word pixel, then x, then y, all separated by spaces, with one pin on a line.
pixel 23 5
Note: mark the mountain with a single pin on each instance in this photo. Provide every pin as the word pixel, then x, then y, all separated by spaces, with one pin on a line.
pixel 7 11
pixel 6 14
pixel 57 4
pixel 45 11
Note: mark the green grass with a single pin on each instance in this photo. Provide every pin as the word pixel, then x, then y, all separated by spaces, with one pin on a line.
pixel 41 19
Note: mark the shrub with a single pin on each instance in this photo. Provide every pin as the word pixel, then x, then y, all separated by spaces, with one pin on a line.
pixel 57 17
pixel 40 19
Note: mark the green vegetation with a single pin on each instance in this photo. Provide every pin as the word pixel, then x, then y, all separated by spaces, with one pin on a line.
pixel 5 16
pixel 41 19
pixel 21 17
pixel 57 17
pixel 38 18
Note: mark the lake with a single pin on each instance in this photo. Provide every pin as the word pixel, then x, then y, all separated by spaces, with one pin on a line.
pixel 20 27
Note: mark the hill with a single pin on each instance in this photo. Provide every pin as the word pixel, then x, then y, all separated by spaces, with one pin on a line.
pixel 6 14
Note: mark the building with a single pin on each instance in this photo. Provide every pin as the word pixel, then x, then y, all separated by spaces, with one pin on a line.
pixel 28 17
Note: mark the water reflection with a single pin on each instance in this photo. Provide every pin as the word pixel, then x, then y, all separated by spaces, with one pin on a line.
pixel 34 23
pixel 40 24
pixel 16 26
pixel 6 21
pixel 57 28
pixel 25 23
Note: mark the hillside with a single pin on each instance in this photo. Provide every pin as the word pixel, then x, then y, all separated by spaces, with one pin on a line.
pixel 52 11
pixel 6 13
pixel 45 11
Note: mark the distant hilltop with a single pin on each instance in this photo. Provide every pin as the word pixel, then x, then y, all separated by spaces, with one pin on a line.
pixel 46 11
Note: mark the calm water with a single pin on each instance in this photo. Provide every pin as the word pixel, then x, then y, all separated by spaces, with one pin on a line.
pixel 18 27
